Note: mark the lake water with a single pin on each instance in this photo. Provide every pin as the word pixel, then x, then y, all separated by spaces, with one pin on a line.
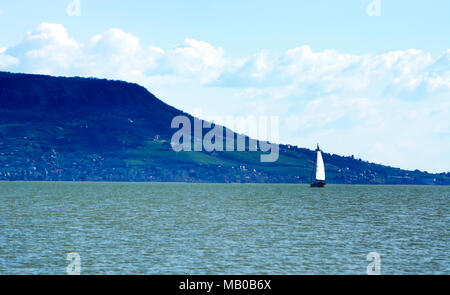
pixel 166 228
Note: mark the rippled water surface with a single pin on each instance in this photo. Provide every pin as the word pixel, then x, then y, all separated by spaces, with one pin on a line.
pixel 158 228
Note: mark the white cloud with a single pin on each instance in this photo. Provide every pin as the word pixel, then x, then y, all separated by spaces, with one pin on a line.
pixel 199 59
pixel 391 108
pixel 331 71
pixel 6 61
pixel 116 41
pixel 47 50
pixel 52 34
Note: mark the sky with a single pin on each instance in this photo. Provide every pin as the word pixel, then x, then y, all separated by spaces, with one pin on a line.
pixel 363 78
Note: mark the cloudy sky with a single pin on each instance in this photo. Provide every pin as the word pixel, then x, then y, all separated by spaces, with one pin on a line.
pixel 363 78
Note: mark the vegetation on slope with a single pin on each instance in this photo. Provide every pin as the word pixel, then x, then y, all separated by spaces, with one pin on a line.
pixel 54 128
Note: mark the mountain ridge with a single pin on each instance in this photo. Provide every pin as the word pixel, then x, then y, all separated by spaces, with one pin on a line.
pixel 76 129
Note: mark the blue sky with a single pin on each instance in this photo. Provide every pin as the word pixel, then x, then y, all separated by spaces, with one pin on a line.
pixel 377 87
pixel 243 27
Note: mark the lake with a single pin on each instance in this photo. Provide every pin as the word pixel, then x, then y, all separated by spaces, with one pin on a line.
pixel 178 228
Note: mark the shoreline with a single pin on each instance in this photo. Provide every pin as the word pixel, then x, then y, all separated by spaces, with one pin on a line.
pixel 231 183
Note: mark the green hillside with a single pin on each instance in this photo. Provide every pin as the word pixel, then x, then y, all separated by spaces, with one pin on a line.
pixel 79 129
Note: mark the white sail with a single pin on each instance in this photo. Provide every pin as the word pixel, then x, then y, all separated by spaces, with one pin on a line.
pixel 320 169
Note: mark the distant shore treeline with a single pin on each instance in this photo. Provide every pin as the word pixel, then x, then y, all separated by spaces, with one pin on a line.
pixel 85 129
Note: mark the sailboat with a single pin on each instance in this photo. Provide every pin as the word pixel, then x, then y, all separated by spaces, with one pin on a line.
pixel 318 172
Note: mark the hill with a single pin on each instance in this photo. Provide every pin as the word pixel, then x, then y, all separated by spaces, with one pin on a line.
pixel 87 129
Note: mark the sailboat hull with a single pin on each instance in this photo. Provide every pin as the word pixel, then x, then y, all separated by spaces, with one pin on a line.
pixel 318 184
